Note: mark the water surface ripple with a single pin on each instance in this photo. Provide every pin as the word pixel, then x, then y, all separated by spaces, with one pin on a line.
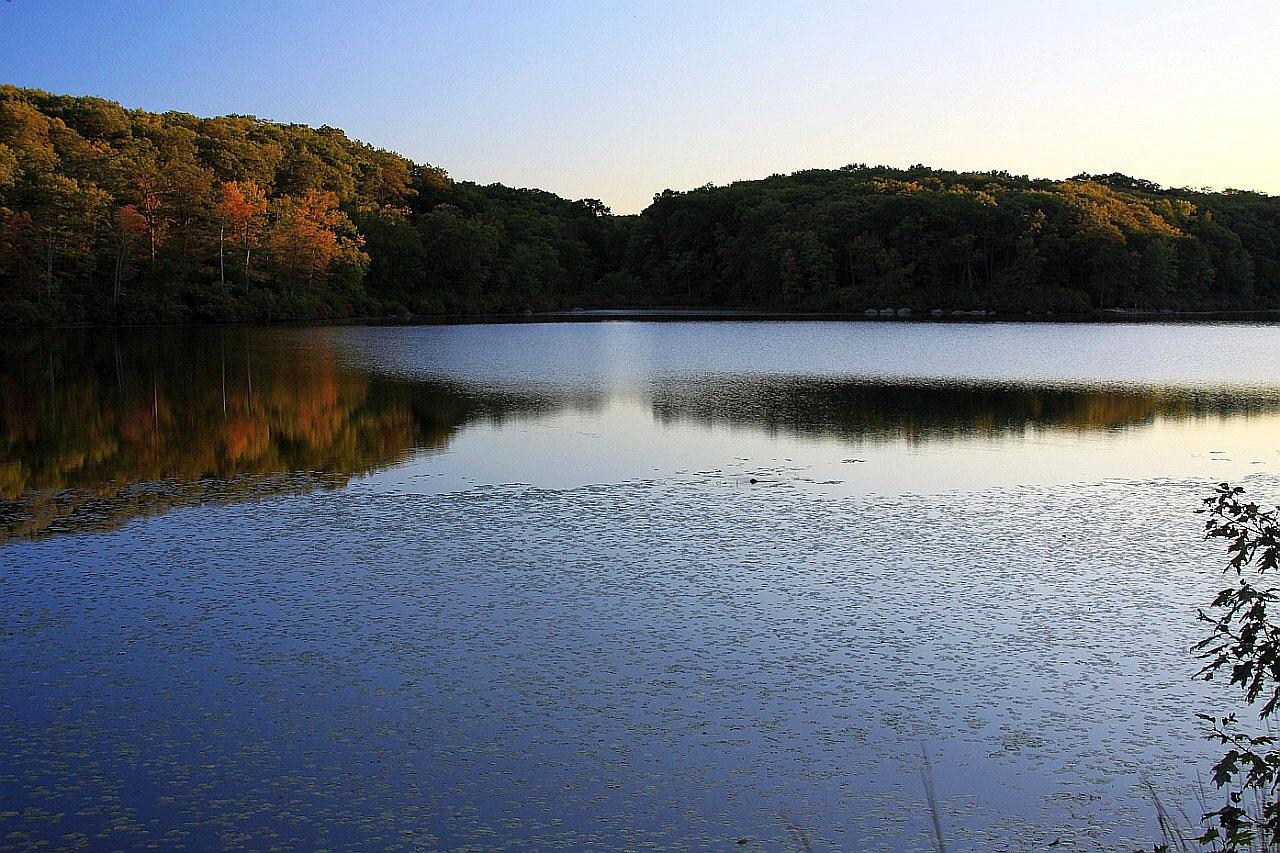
pixel 606 587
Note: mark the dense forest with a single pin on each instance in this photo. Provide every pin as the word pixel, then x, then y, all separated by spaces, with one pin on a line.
pixel 112 215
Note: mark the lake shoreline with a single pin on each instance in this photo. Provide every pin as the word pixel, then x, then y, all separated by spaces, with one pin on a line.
pixel 597 315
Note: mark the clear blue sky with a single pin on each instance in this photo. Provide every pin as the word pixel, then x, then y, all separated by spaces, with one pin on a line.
pixel 618 100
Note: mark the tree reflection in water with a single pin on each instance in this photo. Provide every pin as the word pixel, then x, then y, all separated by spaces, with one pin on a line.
pixel 100 427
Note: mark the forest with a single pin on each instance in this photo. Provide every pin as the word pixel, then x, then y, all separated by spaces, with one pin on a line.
pixel 111 215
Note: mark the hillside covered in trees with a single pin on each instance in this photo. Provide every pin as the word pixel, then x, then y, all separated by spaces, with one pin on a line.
pixel 115 215
pixel 866 237
pixel 122 216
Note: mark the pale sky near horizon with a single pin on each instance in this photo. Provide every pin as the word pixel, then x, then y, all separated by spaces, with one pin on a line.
pixel 620 100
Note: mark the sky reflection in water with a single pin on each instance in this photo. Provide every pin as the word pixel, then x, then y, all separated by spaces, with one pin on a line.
pixel 461 585
pixel 149 418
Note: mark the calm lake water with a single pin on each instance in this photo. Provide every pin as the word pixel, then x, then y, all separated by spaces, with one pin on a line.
pixel 618 585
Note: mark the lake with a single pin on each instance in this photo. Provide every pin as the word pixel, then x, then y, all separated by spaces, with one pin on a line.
pixel 615 585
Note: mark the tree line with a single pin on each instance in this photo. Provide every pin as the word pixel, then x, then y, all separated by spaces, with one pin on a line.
pixel 865 237
pixel 112 215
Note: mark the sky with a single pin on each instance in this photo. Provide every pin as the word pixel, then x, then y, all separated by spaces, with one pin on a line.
pixel 620 100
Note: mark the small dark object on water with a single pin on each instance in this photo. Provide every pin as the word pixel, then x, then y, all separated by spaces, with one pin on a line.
pixel 742 841
pixel 753 482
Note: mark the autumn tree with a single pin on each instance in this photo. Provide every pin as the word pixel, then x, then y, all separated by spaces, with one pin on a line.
pixel 142 185
pixel 308 234
pixel 241 208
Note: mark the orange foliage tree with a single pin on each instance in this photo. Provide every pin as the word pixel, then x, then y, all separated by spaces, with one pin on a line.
pixel 241 207
pixel 308 234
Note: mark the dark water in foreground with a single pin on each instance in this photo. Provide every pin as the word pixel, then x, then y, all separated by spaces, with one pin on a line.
pixel 497 586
